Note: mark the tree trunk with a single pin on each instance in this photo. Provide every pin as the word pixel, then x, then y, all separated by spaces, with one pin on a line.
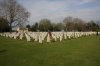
pixel 10 28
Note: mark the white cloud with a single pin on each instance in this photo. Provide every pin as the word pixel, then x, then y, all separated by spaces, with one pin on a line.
pixel 58 9
pixel 85 1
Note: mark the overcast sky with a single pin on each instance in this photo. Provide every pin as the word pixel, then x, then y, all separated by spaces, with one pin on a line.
pixel 57 10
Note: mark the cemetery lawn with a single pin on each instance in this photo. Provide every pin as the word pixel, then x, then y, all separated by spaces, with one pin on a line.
pixel 84 51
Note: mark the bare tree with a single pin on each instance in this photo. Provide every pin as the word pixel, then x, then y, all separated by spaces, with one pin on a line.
pixel 68 23
pixel 15 13
pixel 44 24
pixel 68 19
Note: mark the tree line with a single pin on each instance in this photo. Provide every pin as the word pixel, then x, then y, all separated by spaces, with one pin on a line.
pixel 68 24
pixel 13 14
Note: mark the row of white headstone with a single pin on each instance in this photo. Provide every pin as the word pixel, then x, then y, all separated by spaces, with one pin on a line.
pixel 49 37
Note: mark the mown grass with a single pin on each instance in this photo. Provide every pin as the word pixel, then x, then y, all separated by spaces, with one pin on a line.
pixel 84 51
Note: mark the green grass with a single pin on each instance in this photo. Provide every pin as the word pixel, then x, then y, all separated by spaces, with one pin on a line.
pixel 84 51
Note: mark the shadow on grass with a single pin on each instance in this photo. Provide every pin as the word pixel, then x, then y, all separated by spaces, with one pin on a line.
pixel 3 50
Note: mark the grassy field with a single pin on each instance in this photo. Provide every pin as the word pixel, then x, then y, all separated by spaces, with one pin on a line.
pixel 84 51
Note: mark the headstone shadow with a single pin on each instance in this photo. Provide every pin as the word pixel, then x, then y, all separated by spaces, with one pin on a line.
pixel 3 50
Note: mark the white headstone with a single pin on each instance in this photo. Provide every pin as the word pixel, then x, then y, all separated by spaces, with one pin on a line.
pixel 40 39
pixel 27 37
pixel 48 38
